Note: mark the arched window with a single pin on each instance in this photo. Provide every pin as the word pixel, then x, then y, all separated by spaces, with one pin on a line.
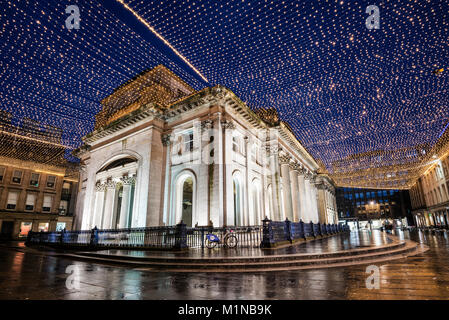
pixel 185 193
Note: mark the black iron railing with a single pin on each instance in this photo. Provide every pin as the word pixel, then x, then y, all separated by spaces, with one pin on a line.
pixel 275 232
pixel 181 237
pixel 172 237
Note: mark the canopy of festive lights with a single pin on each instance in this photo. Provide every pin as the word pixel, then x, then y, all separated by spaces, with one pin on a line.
pixel 370 105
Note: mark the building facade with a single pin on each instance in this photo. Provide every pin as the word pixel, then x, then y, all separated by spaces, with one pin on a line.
pixel 37 186
pixel 429 195
pixel 162 153
pixel 372 207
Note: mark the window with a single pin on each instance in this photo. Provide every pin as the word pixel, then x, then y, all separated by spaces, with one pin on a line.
pixel 60 226
pixel 13 196
pixel 17 176
pixel 25 227
pixel 63 206
pixel 2 173
pixel 236 144
pixel 188 141
pixel 34 180
pixel 30 202
pixel 48 200
pixel 43 227
pixel 51 181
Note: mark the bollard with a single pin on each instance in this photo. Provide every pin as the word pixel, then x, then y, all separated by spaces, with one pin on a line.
pixel 267 236
pixel 180 236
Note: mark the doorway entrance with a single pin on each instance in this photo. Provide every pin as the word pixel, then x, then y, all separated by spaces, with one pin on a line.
pixel 7 230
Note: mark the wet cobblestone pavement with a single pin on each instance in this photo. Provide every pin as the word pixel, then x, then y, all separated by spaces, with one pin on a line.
pixel 26 274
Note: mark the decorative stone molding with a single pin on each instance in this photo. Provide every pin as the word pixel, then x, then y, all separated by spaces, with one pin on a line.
pixel 273 149
pixel 166 139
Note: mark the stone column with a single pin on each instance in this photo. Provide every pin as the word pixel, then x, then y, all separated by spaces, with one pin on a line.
pixel 109 205
pixel 302 195
pixel 314 201
pixel 126 198
pixel 272 152
pixel 286 186
pixel 167 143
pixel 308 197
pixel 99 205
pixel 247 187
pixel 295 190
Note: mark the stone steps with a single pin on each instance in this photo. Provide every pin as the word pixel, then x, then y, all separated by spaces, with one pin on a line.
pixel 395 250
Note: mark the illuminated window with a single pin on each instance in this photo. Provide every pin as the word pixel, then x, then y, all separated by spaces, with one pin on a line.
pixel 60 226
pixel 17 176
pixel 51 181
pixel 43 227
pixel 30 202
pixel 48 200
pixel 13 196
pixel 34 180
pixel 25 227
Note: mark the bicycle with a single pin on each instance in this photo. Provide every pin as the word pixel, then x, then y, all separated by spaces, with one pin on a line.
pixel 229 240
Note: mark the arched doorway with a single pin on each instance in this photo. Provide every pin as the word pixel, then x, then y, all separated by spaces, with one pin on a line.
pixel 187 201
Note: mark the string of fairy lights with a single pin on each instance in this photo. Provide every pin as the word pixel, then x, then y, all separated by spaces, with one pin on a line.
pixel 367 103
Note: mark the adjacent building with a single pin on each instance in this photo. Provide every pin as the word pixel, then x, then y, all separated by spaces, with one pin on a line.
pixel 162 153
pixel 372 208
pixel 38 186
pixel 429 195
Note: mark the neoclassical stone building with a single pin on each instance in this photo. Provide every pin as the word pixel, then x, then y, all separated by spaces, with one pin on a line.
pixel 162 152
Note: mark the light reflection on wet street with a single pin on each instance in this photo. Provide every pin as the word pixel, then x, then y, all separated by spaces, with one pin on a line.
pixel 32 275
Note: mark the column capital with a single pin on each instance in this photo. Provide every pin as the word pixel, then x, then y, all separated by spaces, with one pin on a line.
pixel 100 187
pixel 295 166
pixel 284 159
pixel 166 139
pixel 126 180
pixel 207 124
pixel 111 184
pixel 226 124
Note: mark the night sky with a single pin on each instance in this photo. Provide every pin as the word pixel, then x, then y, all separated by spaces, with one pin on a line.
pixel 344 89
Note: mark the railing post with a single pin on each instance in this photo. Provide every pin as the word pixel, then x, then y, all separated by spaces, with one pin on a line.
pixel 180 236
pixel 313 231
pixel 288 230
pixel 301 227
pixel 29 237
pixel 61 239
pixel 94 237
pixel 267 234
pixel 202 238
